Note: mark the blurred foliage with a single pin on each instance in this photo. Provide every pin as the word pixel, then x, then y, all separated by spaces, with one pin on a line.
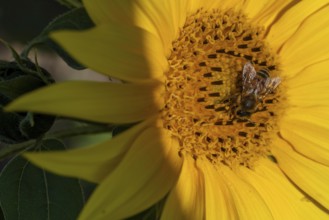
pixel 15 82
pixel 71 3
pixel 16 14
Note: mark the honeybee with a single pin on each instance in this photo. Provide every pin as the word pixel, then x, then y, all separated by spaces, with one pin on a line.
pixel 255 87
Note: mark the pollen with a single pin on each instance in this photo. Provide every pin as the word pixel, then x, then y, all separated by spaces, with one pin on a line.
pixel 203 81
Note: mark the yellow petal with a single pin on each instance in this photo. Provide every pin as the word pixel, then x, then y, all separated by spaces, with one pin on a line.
pixel 252 7
pixel 100 11
pixel 310 86
pixel 162 18
pixel 283 199
pixel 90 163
pixel 95 101
pixel 143 177
pixel 310 176
pixel 125 52
pixel 308 45
pixel 219 203
pixel 248 202
pixel 186 199
pixel 236 5
pixel 307 130
pixel 194 5
pixel 165 16
pixel 290 21
pixel 266 11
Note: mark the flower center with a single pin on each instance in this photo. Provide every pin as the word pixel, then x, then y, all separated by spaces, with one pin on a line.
pixel 215 108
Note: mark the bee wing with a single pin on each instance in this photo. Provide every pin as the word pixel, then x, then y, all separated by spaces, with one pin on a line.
pixel 248 75
pixel 270 85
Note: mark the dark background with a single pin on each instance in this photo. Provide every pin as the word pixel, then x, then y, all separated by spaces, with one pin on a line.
pixel 21 20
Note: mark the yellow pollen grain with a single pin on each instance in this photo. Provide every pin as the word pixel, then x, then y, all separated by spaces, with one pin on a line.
pixel 205 70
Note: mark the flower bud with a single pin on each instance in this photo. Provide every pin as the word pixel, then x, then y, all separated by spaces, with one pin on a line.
pixel 14 82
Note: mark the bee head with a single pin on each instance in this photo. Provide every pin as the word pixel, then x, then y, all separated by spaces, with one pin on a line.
pixel 248 105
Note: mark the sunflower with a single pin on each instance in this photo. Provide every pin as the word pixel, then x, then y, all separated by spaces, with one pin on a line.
pixel 216 140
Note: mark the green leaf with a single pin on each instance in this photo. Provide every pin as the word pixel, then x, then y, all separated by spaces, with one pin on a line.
pixel 30 193
pixel 75 19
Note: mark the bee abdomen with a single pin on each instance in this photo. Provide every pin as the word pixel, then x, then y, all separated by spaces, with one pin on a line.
pixel 264 73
